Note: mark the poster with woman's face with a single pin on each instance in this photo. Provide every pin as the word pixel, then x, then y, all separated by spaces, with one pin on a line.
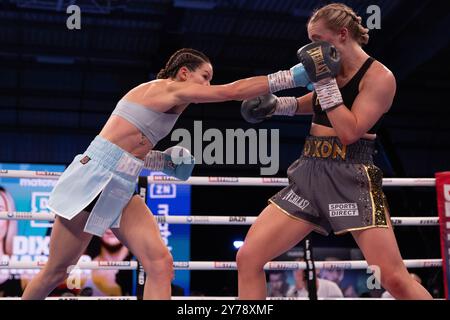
pixel 29 240
pixel 23 240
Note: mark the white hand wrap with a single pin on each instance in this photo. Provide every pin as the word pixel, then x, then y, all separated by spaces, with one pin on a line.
pixel 281 80
pixel 155 160
pixel 286 106
pixel 328 94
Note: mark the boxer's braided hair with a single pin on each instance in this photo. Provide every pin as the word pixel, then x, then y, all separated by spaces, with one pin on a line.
pixel 338 15
pixel 186 57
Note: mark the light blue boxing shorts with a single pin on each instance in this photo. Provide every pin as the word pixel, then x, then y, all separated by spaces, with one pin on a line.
pixel 103 169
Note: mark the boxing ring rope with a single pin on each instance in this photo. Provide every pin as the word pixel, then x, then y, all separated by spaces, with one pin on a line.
pixel 191 298
pixel 215 220
pixel 216 181
pixel 220 181
pixel 210 220
pixel 223 265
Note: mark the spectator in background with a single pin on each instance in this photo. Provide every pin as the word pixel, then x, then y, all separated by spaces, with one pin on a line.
pixel 109 282
pixel 325 288
pixel 9 286
pixel 338 276
pixel 8 228
pixel 277 286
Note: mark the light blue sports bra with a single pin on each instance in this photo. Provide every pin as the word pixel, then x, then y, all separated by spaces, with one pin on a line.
pixel 153 124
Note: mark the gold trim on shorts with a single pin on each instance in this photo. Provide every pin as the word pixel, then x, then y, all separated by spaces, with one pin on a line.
pixel 359 229
pixel 374 209
pixel 316 227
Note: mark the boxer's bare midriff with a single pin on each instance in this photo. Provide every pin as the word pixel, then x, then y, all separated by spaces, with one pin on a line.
pixel 125 135
pixel 322 131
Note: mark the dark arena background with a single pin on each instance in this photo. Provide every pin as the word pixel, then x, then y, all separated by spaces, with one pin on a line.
pixel 58 88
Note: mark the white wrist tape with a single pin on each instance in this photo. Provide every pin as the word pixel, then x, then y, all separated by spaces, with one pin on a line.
pixel 328 93
pixel 154 160
pixel 286 106
pixel 281 80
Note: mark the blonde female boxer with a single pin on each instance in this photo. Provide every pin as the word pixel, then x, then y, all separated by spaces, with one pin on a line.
pixel 334 185
pixel 95 192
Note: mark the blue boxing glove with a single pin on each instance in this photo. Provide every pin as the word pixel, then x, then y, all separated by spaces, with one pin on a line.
pixel 175 162
pixel 296 76
pixel 299 75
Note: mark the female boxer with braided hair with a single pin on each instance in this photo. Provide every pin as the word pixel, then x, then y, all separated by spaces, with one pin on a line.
pixel 334 185
pixel 95 192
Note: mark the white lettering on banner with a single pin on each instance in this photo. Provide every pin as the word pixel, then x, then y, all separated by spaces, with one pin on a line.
pixel 296 200
pixel 37 182
pixel 163 209
pixel 163 191
pixel 39 203
pixel 343 209
pixel 32 245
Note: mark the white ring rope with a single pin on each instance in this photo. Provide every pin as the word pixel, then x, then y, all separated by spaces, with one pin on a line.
pixel 18 215
pixel 178 298
pixel 215 220
pixel 221 181
pixel 210 220
pixel 243 220
pixel 85 265
pixel 181 298
pixel 269 298
pixel 82 298
pixel 224 265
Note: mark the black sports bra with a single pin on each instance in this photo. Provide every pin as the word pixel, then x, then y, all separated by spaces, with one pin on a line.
pixel 349 93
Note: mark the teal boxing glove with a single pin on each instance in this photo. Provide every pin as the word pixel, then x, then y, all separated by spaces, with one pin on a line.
pixel 175 162
pixel 299 75
pixel 287 79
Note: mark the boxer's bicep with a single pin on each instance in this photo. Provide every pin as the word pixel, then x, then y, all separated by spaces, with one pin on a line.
pixel 373 101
